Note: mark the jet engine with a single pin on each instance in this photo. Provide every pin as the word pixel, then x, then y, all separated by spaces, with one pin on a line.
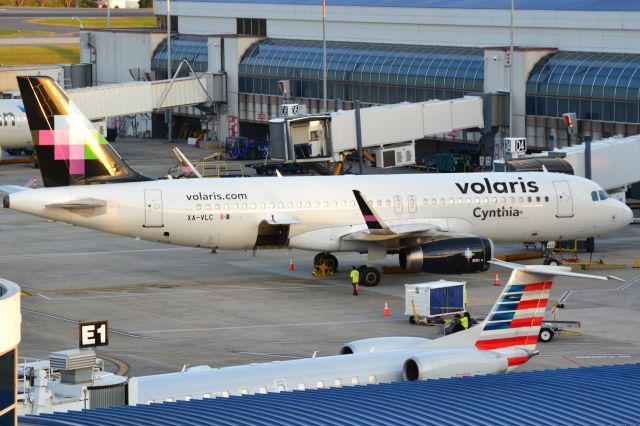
pixel 449 256
pixel 451 363
pixel 380 344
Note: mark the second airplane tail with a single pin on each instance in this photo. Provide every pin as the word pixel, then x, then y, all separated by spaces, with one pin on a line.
pixel 70 150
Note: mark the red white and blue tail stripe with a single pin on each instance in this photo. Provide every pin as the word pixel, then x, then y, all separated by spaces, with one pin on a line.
pixel 515 320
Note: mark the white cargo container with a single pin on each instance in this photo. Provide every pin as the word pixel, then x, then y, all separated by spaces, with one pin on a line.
pixel 435 299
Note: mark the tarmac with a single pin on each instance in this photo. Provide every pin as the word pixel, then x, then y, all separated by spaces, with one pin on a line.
pixel 170 306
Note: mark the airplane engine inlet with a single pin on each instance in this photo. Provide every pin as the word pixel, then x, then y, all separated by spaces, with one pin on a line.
pixel 453 363
pixel 381 344
pixel 450 256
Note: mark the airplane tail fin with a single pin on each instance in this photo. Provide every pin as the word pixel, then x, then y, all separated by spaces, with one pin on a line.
pixel 70 150
pixel 514 321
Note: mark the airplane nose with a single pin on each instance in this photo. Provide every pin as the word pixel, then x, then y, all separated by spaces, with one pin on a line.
pixel 5 202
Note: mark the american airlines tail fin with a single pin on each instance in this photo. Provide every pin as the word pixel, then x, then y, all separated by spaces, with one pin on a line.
pixel 515 319
pixel 70 150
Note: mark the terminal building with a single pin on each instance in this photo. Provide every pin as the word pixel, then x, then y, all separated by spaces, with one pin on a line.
pixel 567 57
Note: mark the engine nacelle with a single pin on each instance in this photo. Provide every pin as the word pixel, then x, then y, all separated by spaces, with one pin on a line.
pixel 450 256
pixel 380 344
pixel 453 363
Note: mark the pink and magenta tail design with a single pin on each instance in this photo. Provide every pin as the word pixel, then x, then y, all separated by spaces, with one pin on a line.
pixel 369 216
pixel 70 150
pixel 515 320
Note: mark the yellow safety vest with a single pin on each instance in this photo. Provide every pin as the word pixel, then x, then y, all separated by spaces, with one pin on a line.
pixel 355 276
pixel 465 322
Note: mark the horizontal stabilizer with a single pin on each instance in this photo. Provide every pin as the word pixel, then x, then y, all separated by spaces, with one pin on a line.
pixel 562 271
pixel 83 203
pixel 10 189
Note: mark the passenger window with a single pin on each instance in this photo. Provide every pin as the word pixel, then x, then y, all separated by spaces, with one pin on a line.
pixel 425 202
pixel 529 199
pixel 218 206
pixel 443 201
pixel 537 199
pixel 319 384
pixel 353 203
pixel 521 199
pixel 308 204
pixel 235 206
pixel 434 201
pixel 477 200
pixel 299 204
pixel 317 204
pixel 486 200
pixel 290 204
pixel 271 205
pixel 326 204
pixel 494 200
pixel 379 203
pixel 199 206
pixel 354 381
pixel 451 201
pixel 337 383
pixel 459 200
pixel 281 205
pixel 512 199
pixel 388 203
pixel 546 199
pixel 226 206
pixel 301 386
pixel 208 207
pixel 335 204
pixel 468 200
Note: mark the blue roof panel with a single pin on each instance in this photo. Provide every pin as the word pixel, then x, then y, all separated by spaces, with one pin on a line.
pixel 579 396
pixel 579 5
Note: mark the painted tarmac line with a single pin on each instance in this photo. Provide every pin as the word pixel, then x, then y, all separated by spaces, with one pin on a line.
pixel 92 253
pixel 629 283
pixel 111 330
pixel 269 355
pixel 255 326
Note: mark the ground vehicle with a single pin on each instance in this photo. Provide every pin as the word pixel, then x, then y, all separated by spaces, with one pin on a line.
pixel 270 168
pixel 243 148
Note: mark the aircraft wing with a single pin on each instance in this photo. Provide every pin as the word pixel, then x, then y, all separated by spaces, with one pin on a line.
pixel 379 230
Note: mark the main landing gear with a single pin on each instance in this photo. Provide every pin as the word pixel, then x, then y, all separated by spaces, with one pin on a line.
pixel 326 264
pixel 369 276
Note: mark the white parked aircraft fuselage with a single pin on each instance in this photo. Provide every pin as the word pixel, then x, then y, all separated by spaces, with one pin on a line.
pixel 226 213
pixel 14 128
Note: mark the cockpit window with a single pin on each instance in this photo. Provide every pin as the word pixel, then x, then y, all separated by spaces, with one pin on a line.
pixel 599 195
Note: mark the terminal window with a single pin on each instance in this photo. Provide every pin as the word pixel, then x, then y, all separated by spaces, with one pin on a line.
pixel 250 26
pixel 7 379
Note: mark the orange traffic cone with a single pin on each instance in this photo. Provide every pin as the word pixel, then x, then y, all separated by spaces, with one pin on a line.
pixel 291 265
pixel 386 312
pixel 497 281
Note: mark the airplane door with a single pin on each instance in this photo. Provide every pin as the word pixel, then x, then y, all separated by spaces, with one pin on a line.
pixel 152 208
pixel 397 203
pixel 563 197
pixel 413 205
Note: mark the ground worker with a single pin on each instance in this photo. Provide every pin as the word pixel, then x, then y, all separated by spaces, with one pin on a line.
pixel 355 279
pixel 465 320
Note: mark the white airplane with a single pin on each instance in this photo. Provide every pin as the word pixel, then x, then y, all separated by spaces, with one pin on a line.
pixel 506 339
pixel 444 223
pixel 14 128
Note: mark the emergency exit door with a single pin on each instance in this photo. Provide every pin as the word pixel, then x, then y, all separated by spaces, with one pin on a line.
pixel 152 208
pixel 564 200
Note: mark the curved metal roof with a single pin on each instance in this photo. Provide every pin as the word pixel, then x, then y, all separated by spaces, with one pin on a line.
pixel 591 75
pixel 192 48
pixel 596 86
pixel 422 66
pixel 579 396
pixel 578 5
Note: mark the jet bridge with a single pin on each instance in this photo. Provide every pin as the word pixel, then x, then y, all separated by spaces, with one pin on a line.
pixel 98 102
pixel 388 131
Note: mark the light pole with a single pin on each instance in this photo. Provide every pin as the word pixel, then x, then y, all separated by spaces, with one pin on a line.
pixel 324 56
pixel 169 130
pixel 108 14
pixel 511 73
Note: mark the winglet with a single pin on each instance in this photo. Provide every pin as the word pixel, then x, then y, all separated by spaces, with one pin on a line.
pixel 373 221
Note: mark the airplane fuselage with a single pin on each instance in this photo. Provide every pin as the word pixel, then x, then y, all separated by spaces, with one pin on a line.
pixel 14 128
pixel 314 213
